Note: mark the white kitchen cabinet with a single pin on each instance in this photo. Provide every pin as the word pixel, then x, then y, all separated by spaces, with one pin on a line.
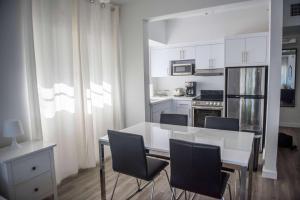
pixel 173 54
pixel 160 107
pixel 187 53
pixel 217 55
pixel 202 57
pixel 246 50
pixel 160 59
pixel 184 107
pixel 159 62
pixel 234 50
pixel 210 56
pixel 256 50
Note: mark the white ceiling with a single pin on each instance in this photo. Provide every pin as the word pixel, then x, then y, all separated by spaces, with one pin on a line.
pixel 120 1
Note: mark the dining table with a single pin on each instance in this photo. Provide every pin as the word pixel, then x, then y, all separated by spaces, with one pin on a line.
pixel 236 148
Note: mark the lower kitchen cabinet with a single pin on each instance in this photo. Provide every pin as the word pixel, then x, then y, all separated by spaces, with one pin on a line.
pixel 160 107
pixel 171 106
pixel 184 107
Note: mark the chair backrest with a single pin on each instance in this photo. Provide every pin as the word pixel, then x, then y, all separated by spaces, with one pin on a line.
pixel 174 119
pixel 222 123
pixel 196 167
pixel 128 153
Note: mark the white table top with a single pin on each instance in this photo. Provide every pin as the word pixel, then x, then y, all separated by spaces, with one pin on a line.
pixel 8 154
pixel 235 146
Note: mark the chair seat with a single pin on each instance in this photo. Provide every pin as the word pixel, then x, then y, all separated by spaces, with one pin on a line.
pixel 225 178
pixel 154 167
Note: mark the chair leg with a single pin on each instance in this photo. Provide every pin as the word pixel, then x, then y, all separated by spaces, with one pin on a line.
pixel 152 190
pixel 168 179
pixel 239 176
pixel 229 188
pixel 115 185
pixel 173 197
pixel 139 184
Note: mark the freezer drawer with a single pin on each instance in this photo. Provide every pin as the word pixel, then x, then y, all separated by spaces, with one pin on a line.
pixel 250 112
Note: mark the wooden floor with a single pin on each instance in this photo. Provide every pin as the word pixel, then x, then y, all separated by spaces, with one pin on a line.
pixel 85 186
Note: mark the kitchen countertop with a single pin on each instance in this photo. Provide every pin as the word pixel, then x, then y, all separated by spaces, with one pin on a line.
pixel 159 99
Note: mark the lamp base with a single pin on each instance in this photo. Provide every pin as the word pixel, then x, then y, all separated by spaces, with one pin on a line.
pixel 14 144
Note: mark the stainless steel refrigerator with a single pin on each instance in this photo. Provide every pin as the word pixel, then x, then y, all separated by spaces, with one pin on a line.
pixel 246 98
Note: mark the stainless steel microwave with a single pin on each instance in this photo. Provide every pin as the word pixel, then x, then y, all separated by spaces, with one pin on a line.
pixel 182 67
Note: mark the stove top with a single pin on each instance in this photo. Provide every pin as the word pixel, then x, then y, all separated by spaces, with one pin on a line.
pixel 210 95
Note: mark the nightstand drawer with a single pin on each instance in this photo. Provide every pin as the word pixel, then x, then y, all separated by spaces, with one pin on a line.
pixel 37 188
pixel 31 166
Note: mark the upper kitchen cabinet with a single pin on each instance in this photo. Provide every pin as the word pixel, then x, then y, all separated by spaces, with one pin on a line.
pixel 187 53
pixel 159 62
pixel 246 50
pixel 160 59
pixel 210 56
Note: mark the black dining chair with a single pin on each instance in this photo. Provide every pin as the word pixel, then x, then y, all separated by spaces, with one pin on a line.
pixel 174 119
pixel 129 158
pixel 196 168
pixel 223 123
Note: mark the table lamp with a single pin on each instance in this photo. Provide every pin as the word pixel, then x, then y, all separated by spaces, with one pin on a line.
pixel 12 129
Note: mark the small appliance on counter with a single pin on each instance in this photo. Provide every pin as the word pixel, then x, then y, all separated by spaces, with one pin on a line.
pixel 182 67
pixel 190 89
pixel 179 92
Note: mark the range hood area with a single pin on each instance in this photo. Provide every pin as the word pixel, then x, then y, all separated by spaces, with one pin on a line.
pixel 209 72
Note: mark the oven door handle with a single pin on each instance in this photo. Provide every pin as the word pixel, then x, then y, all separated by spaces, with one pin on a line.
pixel 207 108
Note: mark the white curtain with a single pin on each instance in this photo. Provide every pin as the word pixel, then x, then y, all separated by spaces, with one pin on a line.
pixel 76 45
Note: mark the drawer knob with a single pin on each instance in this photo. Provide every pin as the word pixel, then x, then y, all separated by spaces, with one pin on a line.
pixel 33 168
pixel 36 189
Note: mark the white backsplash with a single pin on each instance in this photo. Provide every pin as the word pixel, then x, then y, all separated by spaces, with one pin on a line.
pixel 203 83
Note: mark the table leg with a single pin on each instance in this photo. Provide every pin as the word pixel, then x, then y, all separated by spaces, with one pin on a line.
pixel 251 162
pixel 102 171
pixel 243 185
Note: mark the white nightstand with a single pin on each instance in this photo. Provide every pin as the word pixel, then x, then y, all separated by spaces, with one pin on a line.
pixel 28 172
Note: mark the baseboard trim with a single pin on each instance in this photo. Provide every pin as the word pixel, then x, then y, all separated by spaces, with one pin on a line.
pixel 271 174
pixel 290 124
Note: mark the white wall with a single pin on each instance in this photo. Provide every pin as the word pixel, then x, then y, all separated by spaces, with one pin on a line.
pixel 290 116
pixel 157 31
pixel 287 19
pixel 203 82
pixel 132 30
pixel 13 101
pixel 219 25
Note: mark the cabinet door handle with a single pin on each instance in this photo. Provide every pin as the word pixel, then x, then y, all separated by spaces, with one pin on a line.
pixel 33 168
pixel 36 189
pixel 246 56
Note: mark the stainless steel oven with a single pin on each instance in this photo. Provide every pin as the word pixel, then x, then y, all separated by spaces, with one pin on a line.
pixel 209 103
pixel 182 67
pixel 200 112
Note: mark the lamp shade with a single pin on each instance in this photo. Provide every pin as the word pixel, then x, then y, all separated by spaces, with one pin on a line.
pixel 12 128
